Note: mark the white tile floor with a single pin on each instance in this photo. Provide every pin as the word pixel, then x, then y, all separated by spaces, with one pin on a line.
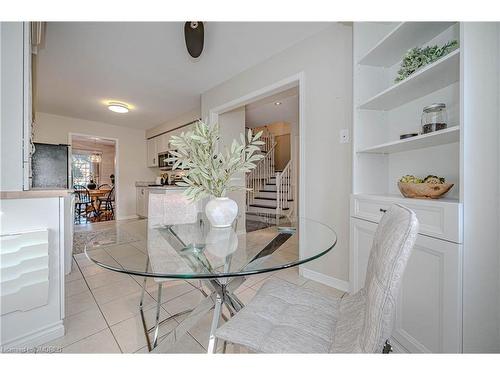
pixel 102 313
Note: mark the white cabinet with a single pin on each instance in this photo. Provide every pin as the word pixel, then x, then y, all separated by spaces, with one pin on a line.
pixel 32 275
pixel 163 143
pixel 428 313
pixel 142 198
pixel 152 152
pixel 437 218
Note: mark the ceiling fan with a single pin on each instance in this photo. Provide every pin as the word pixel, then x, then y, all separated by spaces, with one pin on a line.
pixel 194 35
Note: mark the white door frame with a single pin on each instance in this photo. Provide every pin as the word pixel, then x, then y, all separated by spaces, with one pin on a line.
pixel 284 84
pixel 117 169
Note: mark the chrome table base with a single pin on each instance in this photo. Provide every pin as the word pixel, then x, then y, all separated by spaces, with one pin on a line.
pixel 221 295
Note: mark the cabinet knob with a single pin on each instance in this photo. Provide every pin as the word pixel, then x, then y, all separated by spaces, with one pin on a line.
pixel 382 210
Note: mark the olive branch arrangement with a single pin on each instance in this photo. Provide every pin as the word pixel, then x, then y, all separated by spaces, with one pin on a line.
pixel 418 57
pixel 208 171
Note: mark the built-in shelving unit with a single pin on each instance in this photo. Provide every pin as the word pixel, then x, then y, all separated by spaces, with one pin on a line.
pixel 442 137
pixel 380 157
pixel 430 78
pixel 382 112
pixel 405 35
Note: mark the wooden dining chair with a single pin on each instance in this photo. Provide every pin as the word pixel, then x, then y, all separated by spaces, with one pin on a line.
pixel 105 205
pixel 83 202
pixel 285 318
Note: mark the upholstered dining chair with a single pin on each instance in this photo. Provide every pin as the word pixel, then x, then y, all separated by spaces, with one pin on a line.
pixel 285 318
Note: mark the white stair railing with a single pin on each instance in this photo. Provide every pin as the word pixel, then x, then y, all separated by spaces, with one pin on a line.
pixel 284 193
pixel 262 173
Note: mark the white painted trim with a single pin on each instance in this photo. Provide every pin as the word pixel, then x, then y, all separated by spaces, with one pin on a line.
pixel 37 337
pixel 339 284
pixel 62 256
pixel 27 106
pixel 128 217
pixel 117 163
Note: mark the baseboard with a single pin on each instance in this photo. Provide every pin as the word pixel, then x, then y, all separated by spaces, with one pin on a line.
pixel 35 338
pixel 324 279
pixel 127 217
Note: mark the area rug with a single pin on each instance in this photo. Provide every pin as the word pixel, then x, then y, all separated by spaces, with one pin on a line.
pixel 110 236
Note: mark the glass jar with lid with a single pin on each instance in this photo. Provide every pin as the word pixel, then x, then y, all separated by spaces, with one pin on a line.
pixel 434 117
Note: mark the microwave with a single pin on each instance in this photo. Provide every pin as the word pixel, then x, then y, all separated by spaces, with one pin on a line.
pixel 163 162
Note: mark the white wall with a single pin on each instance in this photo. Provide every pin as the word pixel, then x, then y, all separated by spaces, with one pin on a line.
pixel 326 62
pixel 181 120
pixel 11 105
pixel 130 152
pixel 231 125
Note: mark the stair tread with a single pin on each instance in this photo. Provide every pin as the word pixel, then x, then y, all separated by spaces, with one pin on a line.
pixel 268 191
pixel 271 199
pixel 264 206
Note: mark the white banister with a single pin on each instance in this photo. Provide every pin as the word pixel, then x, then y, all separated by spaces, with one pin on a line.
pixel 260 175
pixel 284 194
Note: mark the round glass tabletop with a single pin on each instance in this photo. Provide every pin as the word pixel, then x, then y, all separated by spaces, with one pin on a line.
pixel 199 251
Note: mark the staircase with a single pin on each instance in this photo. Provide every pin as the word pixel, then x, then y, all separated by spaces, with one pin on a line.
pixel 269 195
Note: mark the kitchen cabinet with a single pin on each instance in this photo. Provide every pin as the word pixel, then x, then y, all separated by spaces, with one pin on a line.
pixel 428 312
pixel 152 152
pixel 163 143
pixel 142 198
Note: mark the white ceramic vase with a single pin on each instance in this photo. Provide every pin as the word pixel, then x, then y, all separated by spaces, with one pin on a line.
pixel 221 212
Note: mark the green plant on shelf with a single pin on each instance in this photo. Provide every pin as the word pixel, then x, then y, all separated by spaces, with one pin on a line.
pixel 418 57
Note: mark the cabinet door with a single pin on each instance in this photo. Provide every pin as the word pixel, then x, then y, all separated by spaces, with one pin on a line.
pixel 362 233
pixel 146 202
pixel 428 312
pixel 140 201
pixel 163 143
pixel 152 152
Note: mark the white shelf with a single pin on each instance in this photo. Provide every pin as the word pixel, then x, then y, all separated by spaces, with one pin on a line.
pixel 406 35
pixel 430 78
pixel 441 137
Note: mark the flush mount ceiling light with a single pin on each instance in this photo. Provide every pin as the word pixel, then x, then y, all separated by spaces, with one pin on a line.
pixel 118 107
pixel 277 103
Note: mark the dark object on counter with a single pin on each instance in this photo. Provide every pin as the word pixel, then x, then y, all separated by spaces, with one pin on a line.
pixel 49 165
pixel 91 185
pixel 409 135
pixel 112 178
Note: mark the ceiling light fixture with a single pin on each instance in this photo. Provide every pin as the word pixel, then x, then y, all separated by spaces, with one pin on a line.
pixel 277 103
pixel 118 107
pixel 95 158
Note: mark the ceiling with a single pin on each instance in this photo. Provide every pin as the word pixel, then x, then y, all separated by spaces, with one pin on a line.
pixel 265 111
pixel 146 65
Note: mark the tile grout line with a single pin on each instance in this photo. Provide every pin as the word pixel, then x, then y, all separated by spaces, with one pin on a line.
pixel 99 307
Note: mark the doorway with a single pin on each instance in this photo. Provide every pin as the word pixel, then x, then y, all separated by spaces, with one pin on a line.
pixel 272 198
pixel 93 171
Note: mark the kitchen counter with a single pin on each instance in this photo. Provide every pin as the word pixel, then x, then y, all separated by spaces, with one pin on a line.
pixel 35 193
pixel 167 187
pixel 143 183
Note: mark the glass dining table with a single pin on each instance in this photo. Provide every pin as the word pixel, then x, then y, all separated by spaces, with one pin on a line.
pixel 216 260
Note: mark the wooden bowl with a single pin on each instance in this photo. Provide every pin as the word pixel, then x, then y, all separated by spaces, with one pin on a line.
pixel 423 190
